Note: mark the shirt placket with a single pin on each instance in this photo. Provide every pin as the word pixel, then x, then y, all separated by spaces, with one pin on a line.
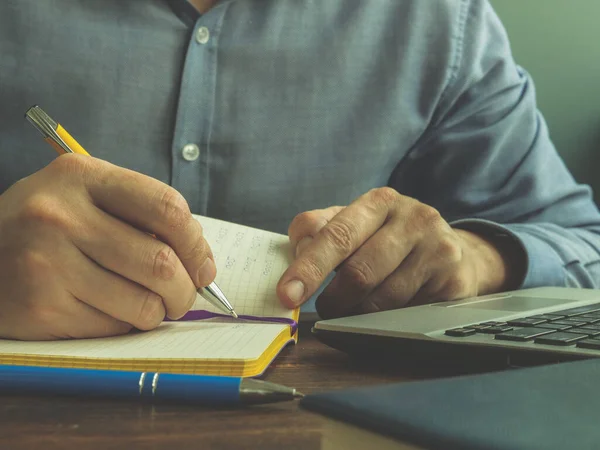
pixel 190 152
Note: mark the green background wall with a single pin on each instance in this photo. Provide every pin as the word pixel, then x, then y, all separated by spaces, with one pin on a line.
pixel 558 43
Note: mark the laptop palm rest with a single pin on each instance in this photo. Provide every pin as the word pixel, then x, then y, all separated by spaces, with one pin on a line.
pixel 507 303
pixel 422 330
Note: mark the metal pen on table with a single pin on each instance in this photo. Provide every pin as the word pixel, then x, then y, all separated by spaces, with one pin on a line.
pixel 198 390
pixel 55 135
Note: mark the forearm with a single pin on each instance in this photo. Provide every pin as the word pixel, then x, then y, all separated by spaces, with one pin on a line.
pixel 560 256
pixel 541 254
pixel 489 167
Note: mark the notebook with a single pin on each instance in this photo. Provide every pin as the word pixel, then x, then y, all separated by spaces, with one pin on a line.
pixel 549 407
pixel 249 264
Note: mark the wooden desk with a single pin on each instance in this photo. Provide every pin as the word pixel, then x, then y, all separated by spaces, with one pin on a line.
pixel 310 366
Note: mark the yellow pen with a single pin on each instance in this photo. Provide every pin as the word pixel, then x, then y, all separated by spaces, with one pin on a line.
pixel 53 133
pixel 63 142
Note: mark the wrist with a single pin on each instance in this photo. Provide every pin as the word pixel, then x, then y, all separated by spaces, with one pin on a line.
pixel 498 262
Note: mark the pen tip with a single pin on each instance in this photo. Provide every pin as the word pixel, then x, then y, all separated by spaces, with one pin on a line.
pixel 234 314
pixel 298 394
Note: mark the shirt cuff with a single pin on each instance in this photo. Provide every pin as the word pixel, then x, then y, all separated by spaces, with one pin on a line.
pixel 543 266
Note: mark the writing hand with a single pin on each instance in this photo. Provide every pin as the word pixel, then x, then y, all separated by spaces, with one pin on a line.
pixel 76 259
pixel 388 251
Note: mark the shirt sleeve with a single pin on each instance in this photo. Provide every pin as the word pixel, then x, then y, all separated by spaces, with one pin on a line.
pixel 488 164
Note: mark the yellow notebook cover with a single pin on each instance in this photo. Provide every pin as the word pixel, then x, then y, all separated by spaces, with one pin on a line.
pixel 249 264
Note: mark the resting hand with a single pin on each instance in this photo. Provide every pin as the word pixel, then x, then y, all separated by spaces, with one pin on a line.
pixel 389 251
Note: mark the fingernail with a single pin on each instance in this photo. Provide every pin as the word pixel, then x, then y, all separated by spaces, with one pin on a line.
pixel 294 290
pixel 303 244
pixel 207 272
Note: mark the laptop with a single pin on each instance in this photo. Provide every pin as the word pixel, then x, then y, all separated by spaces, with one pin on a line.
pixel 520 328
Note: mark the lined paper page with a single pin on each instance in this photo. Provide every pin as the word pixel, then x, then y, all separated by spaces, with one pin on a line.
pixel 208 339
pixel 249 264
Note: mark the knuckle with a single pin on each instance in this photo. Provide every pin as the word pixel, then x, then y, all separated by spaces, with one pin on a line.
pixel 457 286
pixel 449 250
pixel 384 195
pixel 191 300
pixel 151 311
pixel 35 264
pixel 427 215
pixel 44 209
pixel 198 248
pixel 397 293
pixel 175 209
pixel 43 315
pixel 341 235
pixel 72 164
pixel 310 271
pixel 358 273
pixel 177 309
pixel 306 222
pixel 164 265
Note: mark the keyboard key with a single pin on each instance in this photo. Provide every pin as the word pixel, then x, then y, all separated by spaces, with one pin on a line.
pixel 595 314
pixel 478 327
pixel 526 322
pixel 592 326
pixel 589 343
pixel 560 338
pixel 555 326
pixel 460 332
pixel 570 324
pixel 576 321
pixel 580 310
pixel 585 330
pixel 554 315
pixel 589 318
pixel 499 329
pixel 522 334
pixel 547 316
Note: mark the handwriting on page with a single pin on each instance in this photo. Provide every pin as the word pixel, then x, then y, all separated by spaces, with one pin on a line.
pixel 249 263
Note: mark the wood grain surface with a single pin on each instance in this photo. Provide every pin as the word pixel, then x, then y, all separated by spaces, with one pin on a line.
pixel 78 423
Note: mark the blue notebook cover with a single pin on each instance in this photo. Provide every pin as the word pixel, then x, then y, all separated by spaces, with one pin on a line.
pixel 548 407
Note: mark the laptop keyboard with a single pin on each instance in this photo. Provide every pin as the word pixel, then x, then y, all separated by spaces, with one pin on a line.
pixel 569 327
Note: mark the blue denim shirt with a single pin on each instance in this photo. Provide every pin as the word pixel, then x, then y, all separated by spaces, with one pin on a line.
pixel 261 109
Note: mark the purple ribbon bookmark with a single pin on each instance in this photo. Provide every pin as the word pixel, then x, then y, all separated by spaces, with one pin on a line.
pixel 202 314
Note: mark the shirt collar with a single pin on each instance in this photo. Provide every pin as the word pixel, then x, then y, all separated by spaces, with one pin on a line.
pixel 185 11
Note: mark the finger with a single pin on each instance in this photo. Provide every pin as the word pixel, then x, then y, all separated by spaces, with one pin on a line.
pixel 337 240
pixel 399 288
pixel 451 276
pixel 114 295
pixel 434 271
pixel 138 257
pixel 153 206
pixel 307 224
pixel 362 272
pixel 448 286
pixel 83 321
pixel 62 318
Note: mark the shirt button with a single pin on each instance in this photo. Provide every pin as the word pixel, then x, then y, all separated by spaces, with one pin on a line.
pixel 202 35
pixel 190 152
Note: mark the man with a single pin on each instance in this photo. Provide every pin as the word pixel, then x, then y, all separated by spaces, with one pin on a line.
pixel 397 139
